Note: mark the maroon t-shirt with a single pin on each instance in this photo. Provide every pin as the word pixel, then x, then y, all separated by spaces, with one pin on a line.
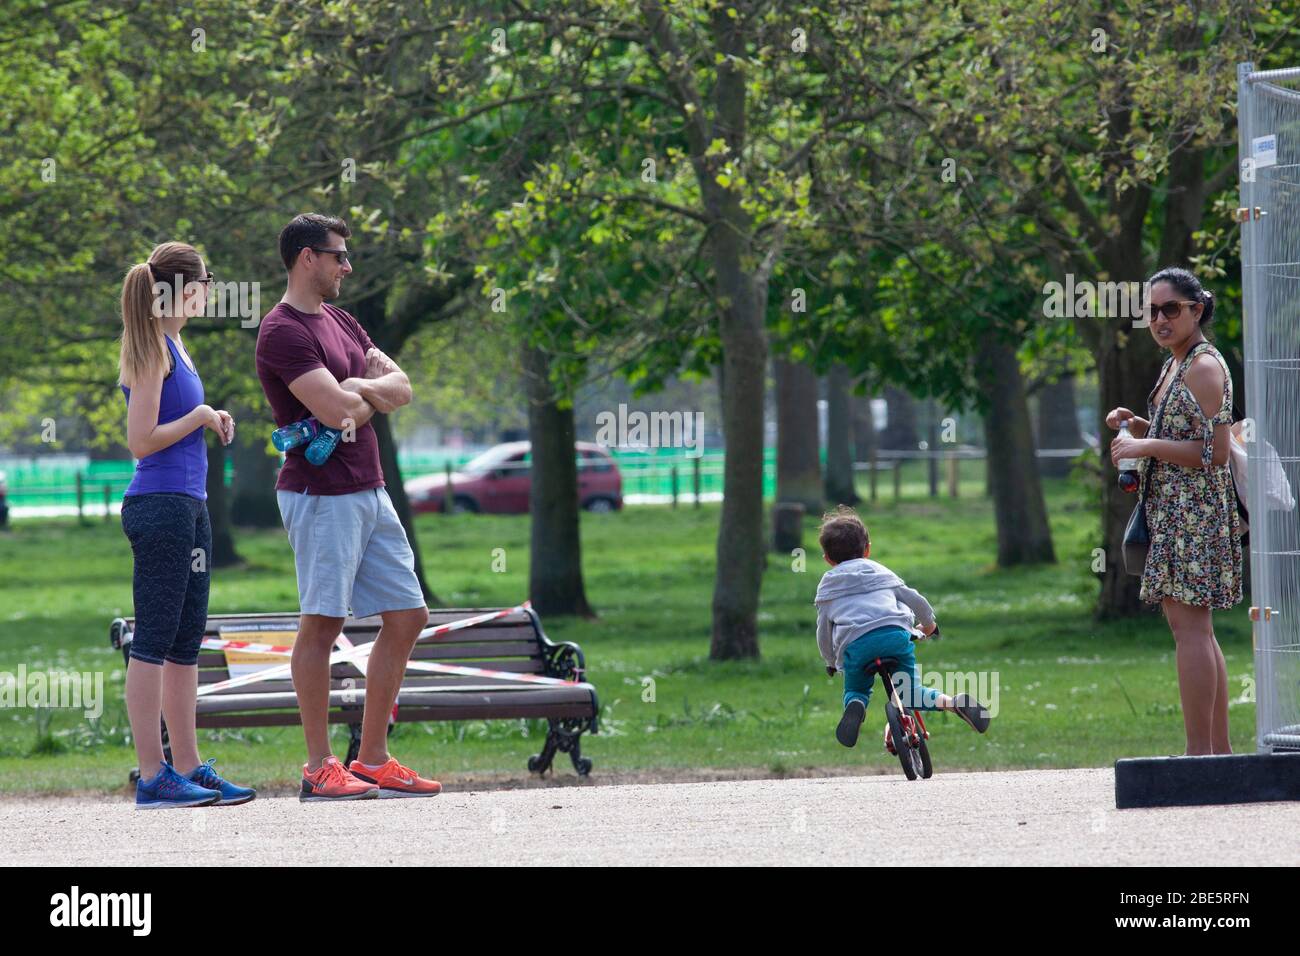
pixel 291 343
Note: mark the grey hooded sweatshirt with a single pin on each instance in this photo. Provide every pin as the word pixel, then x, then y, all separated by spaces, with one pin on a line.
pixel 858 596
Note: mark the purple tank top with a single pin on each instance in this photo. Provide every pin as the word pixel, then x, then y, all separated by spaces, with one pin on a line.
pixel 181 467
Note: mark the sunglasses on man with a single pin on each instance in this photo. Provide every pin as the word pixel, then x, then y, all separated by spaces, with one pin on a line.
pixel 340 254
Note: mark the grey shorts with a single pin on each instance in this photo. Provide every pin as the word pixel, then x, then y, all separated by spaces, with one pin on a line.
pixel 351 552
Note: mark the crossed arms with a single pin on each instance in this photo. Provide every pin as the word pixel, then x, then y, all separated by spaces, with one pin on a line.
pixel 355 401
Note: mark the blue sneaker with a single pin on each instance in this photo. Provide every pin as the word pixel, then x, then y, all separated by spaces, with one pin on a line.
pixel 231 795
pixel 170 789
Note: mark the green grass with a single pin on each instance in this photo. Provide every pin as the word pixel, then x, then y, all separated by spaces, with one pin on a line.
pixel 1071 692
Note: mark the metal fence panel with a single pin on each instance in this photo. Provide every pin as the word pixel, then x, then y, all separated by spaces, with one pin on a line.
pixel 1269 148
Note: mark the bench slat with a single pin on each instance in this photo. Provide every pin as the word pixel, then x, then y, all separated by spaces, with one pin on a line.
pixel 422 697
pixel 214 675
pixel 359 683
pixel 455 710
pixel 209 660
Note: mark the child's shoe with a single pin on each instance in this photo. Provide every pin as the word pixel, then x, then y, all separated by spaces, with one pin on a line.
pixel 847 732
pixel 972 711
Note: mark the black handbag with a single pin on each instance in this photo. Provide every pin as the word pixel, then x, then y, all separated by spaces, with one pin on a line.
pixel 1137 537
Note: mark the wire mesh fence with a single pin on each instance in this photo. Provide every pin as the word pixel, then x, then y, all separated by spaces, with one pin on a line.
pixel 1269 144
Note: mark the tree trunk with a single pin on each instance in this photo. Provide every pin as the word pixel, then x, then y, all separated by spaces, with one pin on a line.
pixel 839 437
pixel 741 550
pixel 1127 372
pixel 864 427
pixel 1058 425
pixel 252 499
pixel 798 470
pixel 1024 536
pixel 389 331
pixel 223 542
pixel 741 274
pixel 397 492
pixel 555 568
pixel 899 432
pixel 932 445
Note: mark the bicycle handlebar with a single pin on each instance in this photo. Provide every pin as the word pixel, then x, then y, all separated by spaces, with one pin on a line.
pixel 918 635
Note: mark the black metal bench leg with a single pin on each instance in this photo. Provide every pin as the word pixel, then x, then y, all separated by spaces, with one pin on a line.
pixel 540 763
pixel 354 743
pixel 566 737
pixel 580 763
pixel 167 744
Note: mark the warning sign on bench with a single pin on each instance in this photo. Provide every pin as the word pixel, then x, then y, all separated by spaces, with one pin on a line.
pixel 244 662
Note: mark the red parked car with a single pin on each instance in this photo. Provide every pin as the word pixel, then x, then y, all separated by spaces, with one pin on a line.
pixel 499 481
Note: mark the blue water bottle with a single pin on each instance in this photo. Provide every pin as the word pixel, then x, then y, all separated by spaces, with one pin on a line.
pixel 295 434
pixel 323 445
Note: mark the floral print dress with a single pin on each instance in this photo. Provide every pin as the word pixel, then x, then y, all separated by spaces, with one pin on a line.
pixel 1195 554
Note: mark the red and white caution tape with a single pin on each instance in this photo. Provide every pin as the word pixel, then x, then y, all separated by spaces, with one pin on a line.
pixel 357 655
pixel 458 669
pixel 285 650
pixel 346 653
pixel 439 629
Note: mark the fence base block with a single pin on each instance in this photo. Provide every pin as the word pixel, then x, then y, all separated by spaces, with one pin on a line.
pixel 1204 781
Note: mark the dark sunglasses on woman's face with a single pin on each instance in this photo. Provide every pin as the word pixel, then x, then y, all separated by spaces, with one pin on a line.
pixel 340 254
pixel 1170 309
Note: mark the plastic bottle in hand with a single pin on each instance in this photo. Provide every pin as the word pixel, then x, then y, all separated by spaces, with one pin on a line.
pixel 1128 467
pixel 323 445
pixel 295 434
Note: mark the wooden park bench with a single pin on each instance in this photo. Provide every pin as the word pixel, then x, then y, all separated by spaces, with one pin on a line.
pixel 514 643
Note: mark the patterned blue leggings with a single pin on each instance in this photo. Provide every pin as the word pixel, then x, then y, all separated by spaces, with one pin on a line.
pixel 171 537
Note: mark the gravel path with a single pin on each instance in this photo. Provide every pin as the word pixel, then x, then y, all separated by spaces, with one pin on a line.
pixel 1037 817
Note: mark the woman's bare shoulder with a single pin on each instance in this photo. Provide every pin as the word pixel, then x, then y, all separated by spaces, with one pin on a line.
pixel 1205 369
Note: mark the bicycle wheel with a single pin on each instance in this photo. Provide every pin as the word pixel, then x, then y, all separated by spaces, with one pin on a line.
pixel 927 767
pixel 907 755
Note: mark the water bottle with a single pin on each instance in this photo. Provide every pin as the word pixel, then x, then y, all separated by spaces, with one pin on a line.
pixel 1128 467
pixel 323 445
pixel 295 434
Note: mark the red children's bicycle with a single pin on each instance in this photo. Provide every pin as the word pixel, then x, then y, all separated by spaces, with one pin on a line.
pixel 905 733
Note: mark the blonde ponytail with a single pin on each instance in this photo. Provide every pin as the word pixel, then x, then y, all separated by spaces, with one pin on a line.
pixel 144 352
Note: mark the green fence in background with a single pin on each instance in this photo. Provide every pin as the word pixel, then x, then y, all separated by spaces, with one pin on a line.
pixel 655 474
pixel 43 484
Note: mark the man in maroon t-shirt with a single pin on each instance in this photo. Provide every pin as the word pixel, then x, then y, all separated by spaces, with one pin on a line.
pixel 350 550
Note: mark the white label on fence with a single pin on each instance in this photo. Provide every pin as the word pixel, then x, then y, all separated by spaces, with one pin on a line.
pixel 1264 150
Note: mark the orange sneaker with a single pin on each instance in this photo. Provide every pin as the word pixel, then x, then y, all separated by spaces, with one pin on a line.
pixel 333 782
pixel 394 780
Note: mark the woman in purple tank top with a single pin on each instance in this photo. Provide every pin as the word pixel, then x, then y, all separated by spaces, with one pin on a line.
pixel 165 517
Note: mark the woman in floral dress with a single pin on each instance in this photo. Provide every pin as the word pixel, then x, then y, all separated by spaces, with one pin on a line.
pixel 1194 563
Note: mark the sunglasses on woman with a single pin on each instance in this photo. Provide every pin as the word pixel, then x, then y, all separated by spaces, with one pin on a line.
pixel 1169 309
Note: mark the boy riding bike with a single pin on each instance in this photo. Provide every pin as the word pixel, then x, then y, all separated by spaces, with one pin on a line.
pixel 864 612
